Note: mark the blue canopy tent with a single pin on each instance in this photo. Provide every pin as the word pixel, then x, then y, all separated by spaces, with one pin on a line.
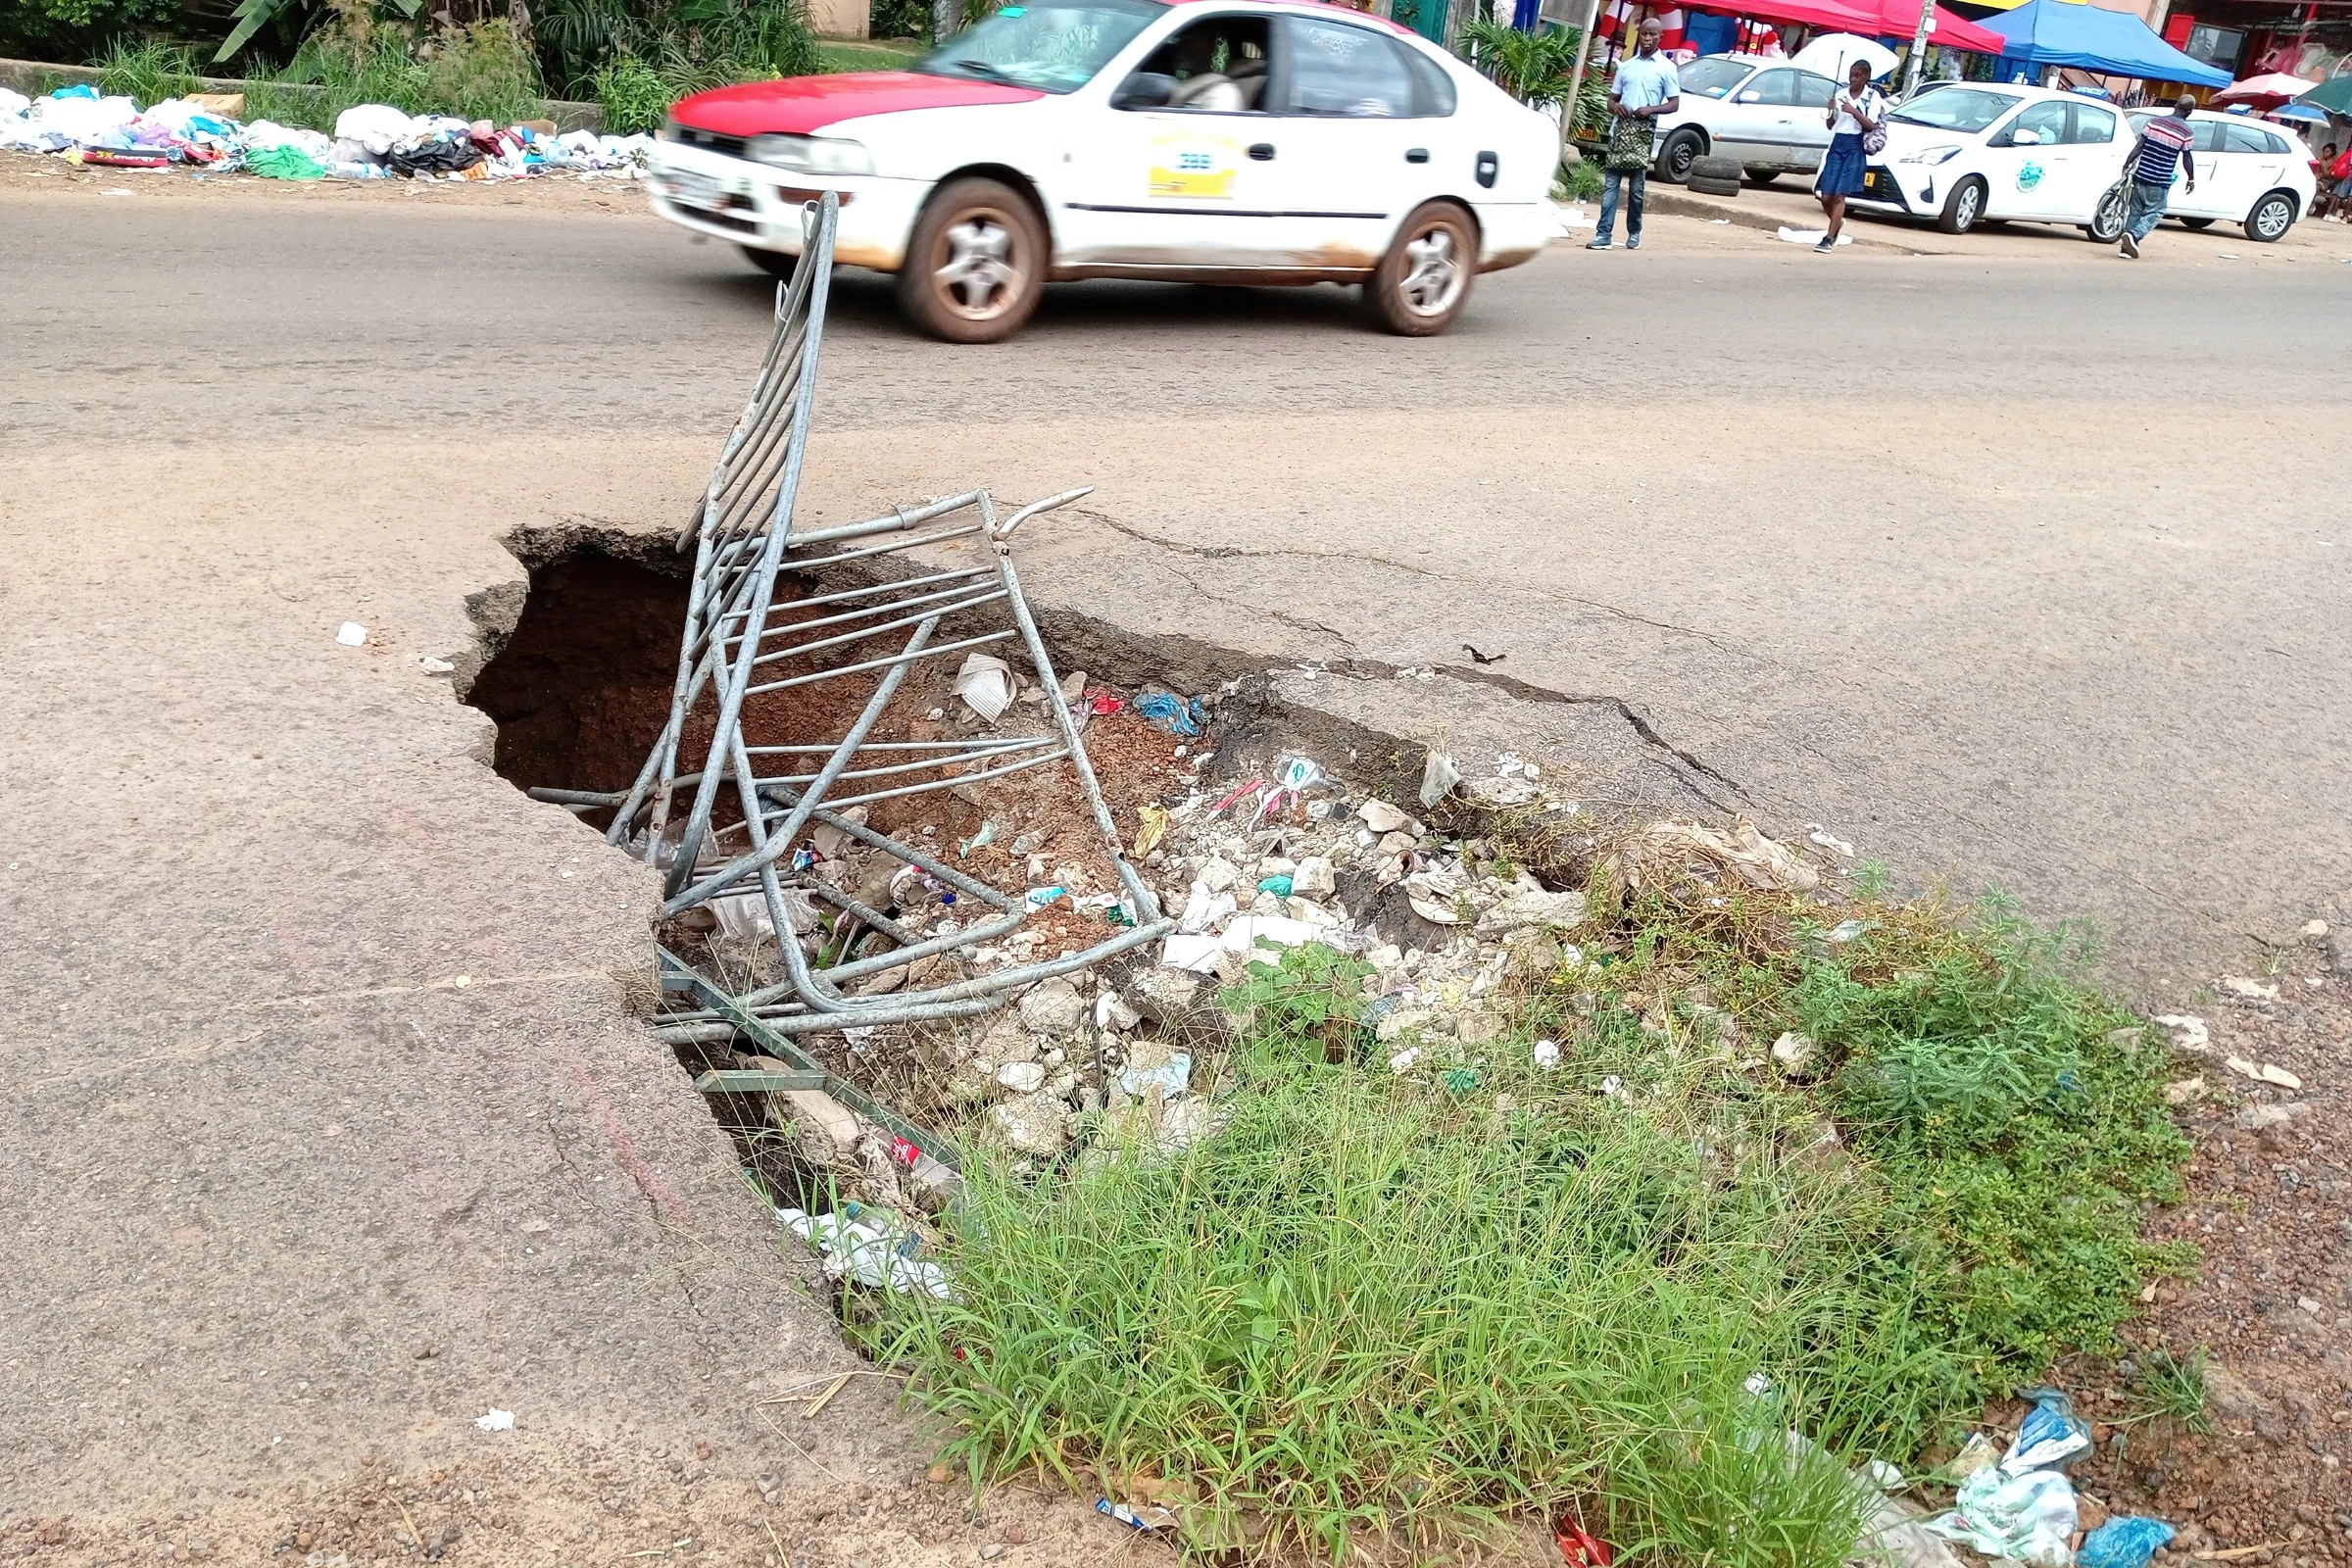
pixel 2089 37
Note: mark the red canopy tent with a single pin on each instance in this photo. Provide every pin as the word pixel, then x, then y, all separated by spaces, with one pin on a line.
pixel 1872 19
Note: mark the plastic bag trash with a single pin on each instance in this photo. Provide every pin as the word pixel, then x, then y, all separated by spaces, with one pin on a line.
pixel 496 1421
pixel 351 634
pixel 1438 776
pixel 1165 710
pixel 1195 952
pixel 1811 236
pixel 1037 899
pixel 1579 1548
pixel 873 1248
pixel 1203 909
pixel 1546 1054
pixel 1147 1519
pixel 986 686
pixel 1154 828
pixel 282 163
pixel 2052 1435
pixel 2123 1544
pixel 1174 1076
pixel 2029 1518
pixel 374 126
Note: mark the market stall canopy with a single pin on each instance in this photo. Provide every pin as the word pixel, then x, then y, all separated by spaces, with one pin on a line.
pixel 2088 37
pixel 2263 91
pixel 1868 19
pixel 1833 53
pixel 2333 96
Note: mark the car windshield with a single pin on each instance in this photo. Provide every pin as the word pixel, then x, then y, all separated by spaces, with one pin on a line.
pixel 1966 110
pixel 1713 76
pixel 1055 46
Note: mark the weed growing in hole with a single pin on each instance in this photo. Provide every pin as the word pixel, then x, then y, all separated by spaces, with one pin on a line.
pixel 2171 1387
pixel 1397 1307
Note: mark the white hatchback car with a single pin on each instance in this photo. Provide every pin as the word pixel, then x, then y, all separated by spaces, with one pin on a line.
pixel 1965 153
pixel 1769 115
pixel 2253 174
pixel 1235 142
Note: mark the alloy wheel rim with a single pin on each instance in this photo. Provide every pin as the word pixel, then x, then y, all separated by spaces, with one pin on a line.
pixel 1968 205
pixel 2271 220
pixel 982 276
pixel 1433 275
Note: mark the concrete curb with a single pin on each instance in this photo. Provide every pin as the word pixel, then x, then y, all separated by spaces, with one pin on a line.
pixel 1665 198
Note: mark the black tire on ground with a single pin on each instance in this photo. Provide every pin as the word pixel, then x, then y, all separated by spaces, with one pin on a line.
pixel 1422 284
pixel 2196 223
pixel 2271 218
pixel 1761 178
pixel 779 264
pixel 1712 187
pixel 1682 149
pixel 2106 225
pixel 976 265
pixel 1963 207
pixel 1716 168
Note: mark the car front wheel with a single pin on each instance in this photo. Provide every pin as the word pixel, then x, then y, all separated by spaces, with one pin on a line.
pixel 976 266
pixel 1963 207
pixel 779 264
pixel 2272 216
pixel 1421 285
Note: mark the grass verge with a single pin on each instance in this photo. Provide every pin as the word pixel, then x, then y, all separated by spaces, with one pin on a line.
pixel 1383 1310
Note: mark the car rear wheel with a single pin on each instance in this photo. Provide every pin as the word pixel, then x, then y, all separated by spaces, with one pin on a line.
pixel 1682 149
pixel 2272 216
pixel 1963 207
pixel 1421 285
pixel 1761 178
pixel 2196 223
pixel 779 264
pixel 2106 225
pixel 976 266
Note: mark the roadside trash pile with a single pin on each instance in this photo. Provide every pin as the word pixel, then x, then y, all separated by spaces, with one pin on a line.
pixel 2019 1504
pixel 372 141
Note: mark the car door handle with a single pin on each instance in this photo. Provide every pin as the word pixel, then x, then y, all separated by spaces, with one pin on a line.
pixel 1263 151
pixel 1416 155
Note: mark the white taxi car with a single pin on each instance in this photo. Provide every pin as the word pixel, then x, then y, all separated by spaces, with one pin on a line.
pixel 2255 176
pixel 1237 142
pixel 1965 153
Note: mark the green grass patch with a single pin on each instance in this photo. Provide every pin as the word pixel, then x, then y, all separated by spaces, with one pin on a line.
pixel 146 71
pixel 1393 1309
pixel 866 54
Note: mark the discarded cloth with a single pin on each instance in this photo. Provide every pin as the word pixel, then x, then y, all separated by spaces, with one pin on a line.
pixel 2029 1518
pixel 2123 1544
pixel 284 163
pixel 1165 710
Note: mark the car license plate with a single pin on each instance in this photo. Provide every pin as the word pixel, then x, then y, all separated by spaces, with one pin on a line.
pixel 690 189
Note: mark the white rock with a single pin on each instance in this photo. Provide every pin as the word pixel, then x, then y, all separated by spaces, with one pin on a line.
pixel 1314 878
pixel 1382 818
pixel 1218 874
pixel 1054 1007
pixel 1034 1124
pixel 1521 909
pixel 1547 1054
pixel 1797 1056
pixel 1114 1011
pixel 2189 1035
pixel 1022 1077
pixel 352 634
pixel 2251 990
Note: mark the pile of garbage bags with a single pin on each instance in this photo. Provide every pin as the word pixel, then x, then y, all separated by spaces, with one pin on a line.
pixel 372 141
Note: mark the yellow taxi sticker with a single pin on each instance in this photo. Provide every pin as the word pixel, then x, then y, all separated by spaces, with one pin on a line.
pixel 1193 166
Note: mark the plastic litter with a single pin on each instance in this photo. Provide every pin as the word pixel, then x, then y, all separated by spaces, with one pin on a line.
pixel 496 1421
pixel 1279 886
pixel 985 684
pixel 1546 1054
pixel 2052 1435
pixel 1154 828
pixel 980 840
pixel 1579 1548
pixel 2029 1518
pixel 874 1247
pixel 2123 1544
pixel 1165 710
pixel 1148 1520
pixel 1173 1077
pixel 1438 776
pixel 351 634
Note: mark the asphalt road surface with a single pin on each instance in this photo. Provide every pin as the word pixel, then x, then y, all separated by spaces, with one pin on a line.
pixel 2023 567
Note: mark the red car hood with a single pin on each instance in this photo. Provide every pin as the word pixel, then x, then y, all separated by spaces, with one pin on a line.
pixel 800 105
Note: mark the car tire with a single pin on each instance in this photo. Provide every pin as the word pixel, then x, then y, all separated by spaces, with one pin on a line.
pixel 1963 207
pixel 1684 148
pixel 1763 177
pixel 1716 168
pixel 2106 225
pixel 976 265
pixel 2196 223
pixel 779 264
pixel 2268 219
pixel 1711 187
pixel 1422 284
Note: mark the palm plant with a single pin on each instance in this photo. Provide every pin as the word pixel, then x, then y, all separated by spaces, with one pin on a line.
pixel 1534 67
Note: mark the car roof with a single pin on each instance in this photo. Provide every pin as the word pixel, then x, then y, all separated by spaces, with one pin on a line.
pixel 1300 7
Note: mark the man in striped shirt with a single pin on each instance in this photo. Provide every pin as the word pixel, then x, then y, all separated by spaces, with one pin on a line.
pixel 2162 145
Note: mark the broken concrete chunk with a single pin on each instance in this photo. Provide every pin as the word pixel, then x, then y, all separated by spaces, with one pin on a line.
pixel 1033 1124
pixel 2188 1033
pixel 1501 792
pixel 1797 1056
pixel 2255 1118
pixel 1314 878
pixel 1022 1077
pixel 1436 897
pixel 2251 990
pixel 1054 1007
pixel 1396 846
pixel 1165 996
pixel 1114 1011
pixel 1382 818
pixel 1218 874
pixel 1522 908
pixel 2262 1072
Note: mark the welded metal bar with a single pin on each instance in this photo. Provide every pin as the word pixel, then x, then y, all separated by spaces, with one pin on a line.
pixel 755 1080
pixel 889 768
pixel 848 801
pixel 884 689
pixel 837 670
pixel 905 936
pixel 1003 531
pixel 849 615
pixel 863 632
pixel 994 744
pixel 901 517
pixel 895 585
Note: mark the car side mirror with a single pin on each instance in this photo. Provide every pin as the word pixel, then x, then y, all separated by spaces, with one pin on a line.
pixel 1146 89
pixel 1750 97
pixel 2024 138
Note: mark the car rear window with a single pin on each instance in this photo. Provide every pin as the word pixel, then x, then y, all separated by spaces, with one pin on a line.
pixel 1966 110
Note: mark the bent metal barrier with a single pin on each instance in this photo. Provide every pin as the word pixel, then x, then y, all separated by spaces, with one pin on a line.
pixel 739 643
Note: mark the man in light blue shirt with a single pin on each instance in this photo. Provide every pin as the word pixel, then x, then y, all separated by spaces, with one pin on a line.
pixel 1644 89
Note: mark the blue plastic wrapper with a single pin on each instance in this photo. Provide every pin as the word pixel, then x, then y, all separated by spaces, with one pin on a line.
pixel 2052 1434
pixel 1168 711
pixel 2123 1544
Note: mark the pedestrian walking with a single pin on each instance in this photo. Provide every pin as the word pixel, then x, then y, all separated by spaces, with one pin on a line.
pixel 1643 91
pixel 2162 147
pixel 1856 117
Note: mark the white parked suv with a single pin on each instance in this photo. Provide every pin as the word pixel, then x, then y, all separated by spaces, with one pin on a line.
pixel 2255 175
pixel 1965 153
pixel 1768 114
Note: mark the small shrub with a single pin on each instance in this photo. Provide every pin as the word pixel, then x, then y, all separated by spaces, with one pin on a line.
pixel 479 72
pixel 1580 183
pixel 899 19
pixel 633 94
pixel 2171 1387
pixel 146 72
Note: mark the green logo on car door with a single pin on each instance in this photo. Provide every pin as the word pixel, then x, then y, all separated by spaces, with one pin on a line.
pixel 2029 175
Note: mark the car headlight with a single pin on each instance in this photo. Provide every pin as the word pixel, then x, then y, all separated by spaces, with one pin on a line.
pixel 810 154
pixel 1929 155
